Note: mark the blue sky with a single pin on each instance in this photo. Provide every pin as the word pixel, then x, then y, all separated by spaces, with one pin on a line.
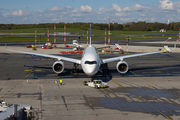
pixel 97 11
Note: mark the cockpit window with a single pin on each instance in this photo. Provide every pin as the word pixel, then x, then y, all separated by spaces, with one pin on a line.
pixel 97 82
pixel 90 62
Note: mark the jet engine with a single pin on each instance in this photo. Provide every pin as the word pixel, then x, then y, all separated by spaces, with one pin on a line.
pixel 122 67
pixel 58 67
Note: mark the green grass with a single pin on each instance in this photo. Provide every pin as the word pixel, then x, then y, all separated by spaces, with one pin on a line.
pixel 42 30
pixel 77 31
pixel 71 38
pixel 25 39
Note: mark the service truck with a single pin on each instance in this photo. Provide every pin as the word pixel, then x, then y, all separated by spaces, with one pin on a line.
pixel 96 84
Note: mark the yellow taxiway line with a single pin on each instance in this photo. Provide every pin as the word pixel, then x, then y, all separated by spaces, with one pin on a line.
pixel 16 85
pixel 27 70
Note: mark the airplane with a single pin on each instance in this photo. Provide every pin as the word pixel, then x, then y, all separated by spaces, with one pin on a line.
pixel 90 61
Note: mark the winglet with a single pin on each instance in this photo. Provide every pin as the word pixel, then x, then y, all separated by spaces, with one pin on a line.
pixel 168 50
pixel 174 47
pixel 6 46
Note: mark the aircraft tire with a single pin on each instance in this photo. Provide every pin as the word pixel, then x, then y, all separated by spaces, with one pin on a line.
pixel 85 83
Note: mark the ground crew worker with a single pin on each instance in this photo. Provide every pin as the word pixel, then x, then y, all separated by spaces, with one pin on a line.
pixel 60 82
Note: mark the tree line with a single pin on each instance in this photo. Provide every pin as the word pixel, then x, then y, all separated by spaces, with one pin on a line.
pixel 129 26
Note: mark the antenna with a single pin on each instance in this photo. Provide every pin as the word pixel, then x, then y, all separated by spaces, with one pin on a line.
pixel 90 34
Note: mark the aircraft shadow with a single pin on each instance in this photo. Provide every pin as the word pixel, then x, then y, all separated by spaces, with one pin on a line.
pixel 142 71
pixel 155 71
pixel 67 73
pixel 157 67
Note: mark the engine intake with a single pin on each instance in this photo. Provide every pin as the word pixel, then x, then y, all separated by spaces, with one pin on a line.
pixel 122 67
pixel 58 67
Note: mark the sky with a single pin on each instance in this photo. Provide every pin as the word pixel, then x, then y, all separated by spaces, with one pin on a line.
pixel 96 11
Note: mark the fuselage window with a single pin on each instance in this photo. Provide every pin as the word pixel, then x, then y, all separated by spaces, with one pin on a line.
pixel 90 62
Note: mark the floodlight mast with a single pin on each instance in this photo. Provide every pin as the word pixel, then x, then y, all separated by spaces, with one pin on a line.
pixel 90 35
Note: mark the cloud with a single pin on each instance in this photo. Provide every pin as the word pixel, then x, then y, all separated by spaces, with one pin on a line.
pixel 58 19
pixel 104 19
pixel 25 18
pixel 75 10
pixel 4 9
pixel 69 7
pixel 54 9
pixel 177 6
pixel 116 7
pixel 143 15
pixel 140 8
pixel 166 5
pixel 87 19
pixel 121 14
pixel 6 15
pixel 85 8
pixel 153 19
pixel 18 17
pixel 79 12
pixel 127 9
pixel 40 11
pixel 1 8
pixel 102 10
pixel 178 10
pixel 64 13
pixel 17 13
pixel 76 15
pixel 142 19
pixel 133 13
pixel 125 19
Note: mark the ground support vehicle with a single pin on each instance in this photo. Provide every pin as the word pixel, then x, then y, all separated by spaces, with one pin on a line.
pixel 95 84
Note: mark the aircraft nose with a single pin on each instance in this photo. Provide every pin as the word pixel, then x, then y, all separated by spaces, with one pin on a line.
pixel 91 70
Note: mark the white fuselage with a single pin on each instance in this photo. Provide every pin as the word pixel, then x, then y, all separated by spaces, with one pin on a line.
pixel 90 61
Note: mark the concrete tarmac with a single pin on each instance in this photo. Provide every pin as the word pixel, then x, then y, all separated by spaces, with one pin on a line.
pixel 148 91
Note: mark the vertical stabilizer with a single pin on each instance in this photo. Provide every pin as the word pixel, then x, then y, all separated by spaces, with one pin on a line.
pixel 90 36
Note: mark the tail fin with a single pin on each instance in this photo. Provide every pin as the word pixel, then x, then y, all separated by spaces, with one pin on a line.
pixel 90 36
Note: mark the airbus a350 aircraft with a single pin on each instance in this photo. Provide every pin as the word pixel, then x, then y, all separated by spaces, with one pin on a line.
pixel 90 61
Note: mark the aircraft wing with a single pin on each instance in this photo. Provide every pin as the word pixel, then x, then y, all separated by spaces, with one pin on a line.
pixel 50 56
pixel 134 55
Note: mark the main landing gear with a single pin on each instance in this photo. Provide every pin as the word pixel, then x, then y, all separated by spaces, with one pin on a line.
pixel 75 68
pixel 105 69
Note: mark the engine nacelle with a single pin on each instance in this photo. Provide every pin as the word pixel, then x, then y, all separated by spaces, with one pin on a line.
pixel 122 67
pixel 58 67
